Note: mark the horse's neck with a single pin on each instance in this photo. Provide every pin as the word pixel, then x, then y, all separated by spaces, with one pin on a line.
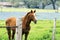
pixel 27 22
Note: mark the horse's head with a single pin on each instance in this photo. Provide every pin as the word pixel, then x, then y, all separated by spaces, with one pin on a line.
pixel 32 16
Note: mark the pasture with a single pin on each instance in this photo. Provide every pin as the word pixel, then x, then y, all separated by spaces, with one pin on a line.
pixel 25 10
pixel 40 31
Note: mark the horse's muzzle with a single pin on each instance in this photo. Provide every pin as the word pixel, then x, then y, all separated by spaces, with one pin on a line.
pixel 35 21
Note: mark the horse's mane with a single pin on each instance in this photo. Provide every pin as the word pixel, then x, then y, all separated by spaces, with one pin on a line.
pixel 27 14
pixel 24 17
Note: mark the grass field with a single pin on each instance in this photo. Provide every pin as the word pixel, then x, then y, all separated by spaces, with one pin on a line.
pixel 40 31
pixel 26 10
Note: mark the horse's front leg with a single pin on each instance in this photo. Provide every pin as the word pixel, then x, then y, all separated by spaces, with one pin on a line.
pixel 26 35
pixel 13 34
pixel 22 35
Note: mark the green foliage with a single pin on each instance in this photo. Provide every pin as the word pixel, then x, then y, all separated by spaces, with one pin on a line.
pixel 33 3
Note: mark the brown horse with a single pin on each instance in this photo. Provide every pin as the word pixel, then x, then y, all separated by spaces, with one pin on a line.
pixel 26 20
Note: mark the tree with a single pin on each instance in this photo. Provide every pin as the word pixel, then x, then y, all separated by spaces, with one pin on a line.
pixel 53 3
pixel 45 3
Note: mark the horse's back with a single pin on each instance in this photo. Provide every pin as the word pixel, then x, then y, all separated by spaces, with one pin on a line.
pixel 11 22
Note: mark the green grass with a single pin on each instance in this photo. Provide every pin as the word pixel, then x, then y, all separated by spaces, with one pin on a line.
pixel 40 31
pixel 25 10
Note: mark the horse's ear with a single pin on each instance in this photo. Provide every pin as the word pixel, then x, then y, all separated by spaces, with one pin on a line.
pixel 34 11
pixel 31 11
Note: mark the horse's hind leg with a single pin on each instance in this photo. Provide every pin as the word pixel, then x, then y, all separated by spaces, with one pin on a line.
pixel 13 33
pixel 9 32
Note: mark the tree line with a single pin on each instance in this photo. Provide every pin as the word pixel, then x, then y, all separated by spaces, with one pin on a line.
pixel 35 3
